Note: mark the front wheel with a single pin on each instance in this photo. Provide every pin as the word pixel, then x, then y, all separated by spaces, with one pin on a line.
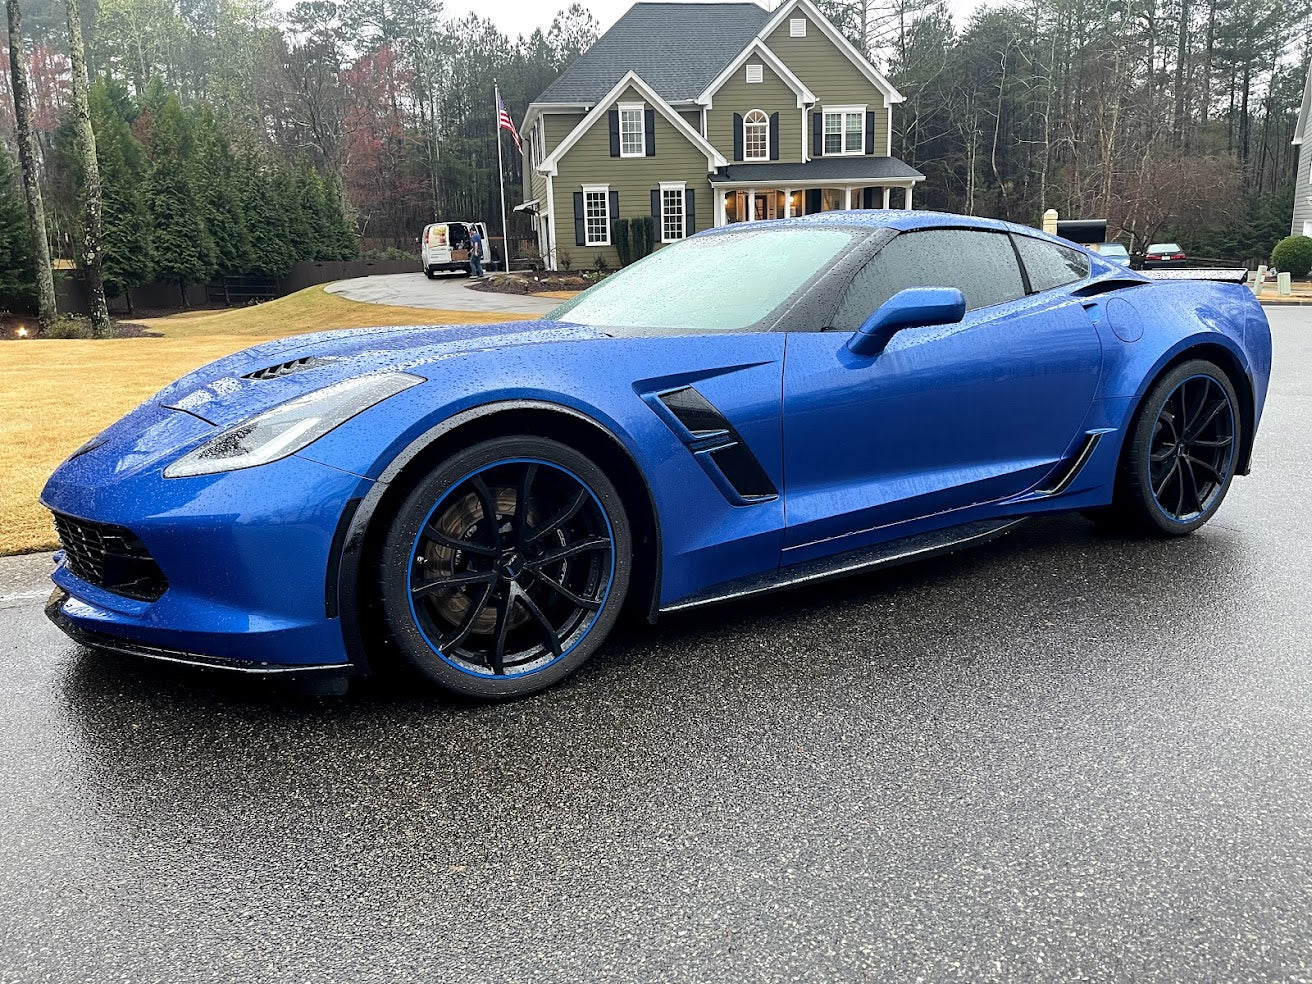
pixel 1181 452
pixel 506 567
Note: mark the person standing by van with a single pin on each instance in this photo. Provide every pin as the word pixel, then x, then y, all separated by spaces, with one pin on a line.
pixel 475 252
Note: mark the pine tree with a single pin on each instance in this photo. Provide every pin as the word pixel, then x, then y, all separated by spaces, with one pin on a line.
pixel 125 242
pixel 180 241
pixel 17 271
pixel 345 242
pixel 267 219
pixel 215 176
pixel 290 190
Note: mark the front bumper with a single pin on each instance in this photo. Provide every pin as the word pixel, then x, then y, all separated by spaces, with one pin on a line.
pixel 251 559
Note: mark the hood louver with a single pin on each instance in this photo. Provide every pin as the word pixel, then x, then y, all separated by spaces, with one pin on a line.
pixel 287 368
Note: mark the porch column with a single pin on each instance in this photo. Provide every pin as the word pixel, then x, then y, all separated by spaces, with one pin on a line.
pixel 909 187
pixel 751 204
pixel 788 203
pixel 887 192
pixel 720 217
pixel 847 197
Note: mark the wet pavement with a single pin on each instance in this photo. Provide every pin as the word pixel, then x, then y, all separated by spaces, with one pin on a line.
pixel 1061 756
pixel 447 292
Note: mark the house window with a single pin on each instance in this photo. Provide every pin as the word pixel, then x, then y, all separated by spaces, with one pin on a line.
pixel 632 138
pixel 754 73
pixel 672 224
pixel 756 136
pixel 596 215
pixel 797 27
pixel 845 130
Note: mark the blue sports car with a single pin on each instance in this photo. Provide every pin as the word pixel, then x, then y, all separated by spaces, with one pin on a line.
pixel 757 406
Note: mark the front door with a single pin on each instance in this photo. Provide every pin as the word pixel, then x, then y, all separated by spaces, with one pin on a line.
pixel 765 204
pixel 945 417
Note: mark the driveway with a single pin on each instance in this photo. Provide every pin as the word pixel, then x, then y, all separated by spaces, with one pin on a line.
pixel 447 293
pixel 1059 757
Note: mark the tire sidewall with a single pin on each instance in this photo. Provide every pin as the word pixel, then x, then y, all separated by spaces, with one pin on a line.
pixel 413 511
pixel 1138 467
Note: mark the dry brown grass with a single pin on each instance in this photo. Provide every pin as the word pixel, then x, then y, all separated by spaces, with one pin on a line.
pixel 54 395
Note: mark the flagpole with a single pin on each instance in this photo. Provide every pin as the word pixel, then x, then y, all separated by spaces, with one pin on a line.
pixel 501 177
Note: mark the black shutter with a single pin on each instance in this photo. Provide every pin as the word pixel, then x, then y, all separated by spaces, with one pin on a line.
pixel 817 133
pixel 774 136
pixel 614 206
pixel 689 212
pixel 656 209
pixel 737 136
pixel 614 117
pixel 812 201
pixel 649 124
pixel 580 233
pixel 870 133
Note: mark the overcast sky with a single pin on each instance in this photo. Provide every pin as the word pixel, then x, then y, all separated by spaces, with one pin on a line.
pixel 515 17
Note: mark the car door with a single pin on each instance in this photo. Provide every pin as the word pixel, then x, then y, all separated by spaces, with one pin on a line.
pixel 946 416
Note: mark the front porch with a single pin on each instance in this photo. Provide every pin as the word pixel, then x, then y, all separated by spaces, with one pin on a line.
pixel 752 192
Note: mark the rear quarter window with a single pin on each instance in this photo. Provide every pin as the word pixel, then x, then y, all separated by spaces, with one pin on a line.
pixel 1049 265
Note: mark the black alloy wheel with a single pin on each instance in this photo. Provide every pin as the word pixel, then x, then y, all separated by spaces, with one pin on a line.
pixel 506 567
pixel 1182 451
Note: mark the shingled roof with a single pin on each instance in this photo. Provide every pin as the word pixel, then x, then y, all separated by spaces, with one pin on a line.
pixel 677 48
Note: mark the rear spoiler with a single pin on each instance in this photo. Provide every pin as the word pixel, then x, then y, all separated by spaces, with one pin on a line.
pixel 1236 276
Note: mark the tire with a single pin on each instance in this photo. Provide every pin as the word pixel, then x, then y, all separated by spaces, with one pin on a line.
pixel 502 610
pixel 430 273
pixel 1181 453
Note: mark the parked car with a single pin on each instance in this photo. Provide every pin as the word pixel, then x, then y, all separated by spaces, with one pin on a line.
pixel 1115 252
pixel 1162 255
pixel 757 406
pixel 445 246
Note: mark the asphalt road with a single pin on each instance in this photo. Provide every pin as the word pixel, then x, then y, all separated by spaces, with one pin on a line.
pixel 447 292
pixel 1059 757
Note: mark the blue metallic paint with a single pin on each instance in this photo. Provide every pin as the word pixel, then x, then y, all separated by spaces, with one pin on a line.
pixel 949 425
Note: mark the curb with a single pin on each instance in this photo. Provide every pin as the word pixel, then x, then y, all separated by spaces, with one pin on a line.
pixel 1282 303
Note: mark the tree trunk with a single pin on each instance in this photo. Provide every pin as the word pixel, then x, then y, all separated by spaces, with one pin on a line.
pixel 36 212
pixel 100 326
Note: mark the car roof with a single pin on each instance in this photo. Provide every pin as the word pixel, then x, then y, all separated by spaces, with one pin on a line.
pixel 901 220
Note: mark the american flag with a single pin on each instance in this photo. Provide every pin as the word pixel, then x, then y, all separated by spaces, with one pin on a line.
pixel 505 122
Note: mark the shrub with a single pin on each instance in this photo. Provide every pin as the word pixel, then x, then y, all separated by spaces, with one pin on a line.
pixel 1293 254
pixel 602 265
pixel 69 326
pixel 620 235
pixel 565 262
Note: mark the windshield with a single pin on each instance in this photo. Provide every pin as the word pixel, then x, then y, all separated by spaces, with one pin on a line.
pixel 725 282
pixel 1163 248
pixel 1113 249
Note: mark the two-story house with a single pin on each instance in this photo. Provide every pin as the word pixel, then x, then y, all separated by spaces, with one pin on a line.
pixel 698 115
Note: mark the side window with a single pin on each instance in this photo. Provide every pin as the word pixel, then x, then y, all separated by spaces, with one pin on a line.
pixel 982 264
pixel 1050 265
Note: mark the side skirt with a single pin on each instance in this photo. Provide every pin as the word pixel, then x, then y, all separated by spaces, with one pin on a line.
pixel 889 554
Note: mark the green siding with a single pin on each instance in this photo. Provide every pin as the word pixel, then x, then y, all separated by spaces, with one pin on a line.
pixel 771 94
pixel 827 72
pixel 693 117
pixel 589 162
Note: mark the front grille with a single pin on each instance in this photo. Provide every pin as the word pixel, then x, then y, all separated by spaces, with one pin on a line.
pixel 110 557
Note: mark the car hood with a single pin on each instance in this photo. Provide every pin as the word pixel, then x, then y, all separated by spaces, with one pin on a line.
pixel 263 376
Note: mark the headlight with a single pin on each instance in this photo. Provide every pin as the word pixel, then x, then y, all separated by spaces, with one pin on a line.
pixel 288 428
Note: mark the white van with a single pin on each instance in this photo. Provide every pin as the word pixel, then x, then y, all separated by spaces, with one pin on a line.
pixel 445 246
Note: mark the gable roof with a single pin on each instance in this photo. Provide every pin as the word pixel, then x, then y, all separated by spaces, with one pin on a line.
pixel 1304 110
pixel 714 158
pixel 758 48
pixel 678 48
pixel 891 95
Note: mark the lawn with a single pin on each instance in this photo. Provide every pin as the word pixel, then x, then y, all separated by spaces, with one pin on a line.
pixel 55 394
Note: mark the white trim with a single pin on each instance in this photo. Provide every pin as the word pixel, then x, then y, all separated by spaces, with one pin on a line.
pixel 758 47
pixel 714 158
pixel 550 237
pixel 844 111
pixel 641 110
pixel 802 184
pixel 891 95
pixel 682 188
pixel 604 191
pixel 806 136
pixel 537 110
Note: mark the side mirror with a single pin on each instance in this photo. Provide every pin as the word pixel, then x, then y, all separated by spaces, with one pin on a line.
pixel 915 307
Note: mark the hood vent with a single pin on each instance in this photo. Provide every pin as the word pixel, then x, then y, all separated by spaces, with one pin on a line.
pixel 287 368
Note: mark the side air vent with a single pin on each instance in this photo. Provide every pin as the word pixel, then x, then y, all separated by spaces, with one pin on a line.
pixel 718 447
pixel 287 368
pixel 1062 477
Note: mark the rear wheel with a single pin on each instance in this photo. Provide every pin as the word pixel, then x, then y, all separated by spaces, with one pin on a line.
pixel 1181 452
pixel 505 568
pixel 430 273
